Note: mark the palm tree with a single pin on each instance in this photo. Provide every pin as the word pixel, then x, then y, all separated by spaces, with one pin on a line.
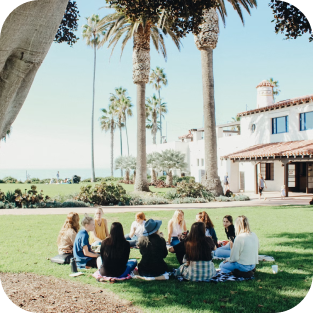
pixel 169 160
pixel 153 161
pixel 158 78
pixel 125 163
pixel 92 33
pixel 275 83
pixel 236 119
pixel 118 25
pixel 154 107
pixel 108 122
pixel 206 41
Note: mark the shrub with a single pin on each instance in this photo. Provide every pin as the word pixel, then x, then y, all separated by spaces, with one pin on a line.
pixel 9 180
pixel 189 200
pixel 171 195
pixel 10 196
pixel 103 194
pixel 29 198
pixel 7 205
pixel 45 181
pixel 2 181
pixel 163 177
pixel 192 190
pixel 178 179
pixel 138 199
pixel 2 196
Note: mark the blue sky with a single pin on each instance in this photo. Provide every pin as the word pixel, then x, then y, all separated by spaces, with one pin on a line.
pixel 53 127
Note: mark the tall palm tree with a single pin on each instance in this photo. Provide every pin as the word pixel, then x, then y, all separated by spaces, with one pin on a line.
pixel 206 41
pixel 158 78
pixel 275 83
pixel 108 122
pixel 154 107
pixel 118 25
pixel 92 33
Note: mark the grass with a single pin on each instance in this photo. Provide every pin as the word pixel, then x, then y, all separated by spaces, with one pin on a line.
pixel 54 190
pixel 284 232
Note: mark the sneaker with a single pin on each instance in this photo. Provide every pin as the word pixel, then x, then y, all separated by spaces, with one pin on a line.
pixel 238 273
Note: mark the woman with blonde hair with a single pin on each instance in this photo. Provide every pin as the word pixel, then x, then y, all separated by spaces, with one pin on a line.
pixel 209 226
pixel 176 226
pixel 101 228
pixel 136 230
pixel 83 255
pixel 68 234
pixel 244 253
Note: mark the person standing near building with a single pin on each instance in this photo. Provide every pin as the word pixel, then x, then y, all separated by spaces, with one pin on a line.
pixel 58 176
pixel 226 183
pixel 262 185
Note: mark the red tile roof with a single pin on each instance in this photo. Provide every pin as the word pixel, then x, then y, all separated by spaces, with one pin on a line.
pixel 265 83
pixel 280 105
pixel 289 148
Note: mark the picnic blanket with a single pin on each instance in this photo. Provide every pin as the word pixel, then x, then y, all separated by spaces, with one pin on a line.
pixel 165 276
pixel 221 277
pixel 261 258
pixel 103 279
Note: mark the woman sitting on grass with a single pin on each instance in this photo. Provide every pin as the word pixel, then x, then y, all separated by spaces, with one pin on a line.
pixel 198 265
pixel 209 227
pixel 244 254
pixel 176 226
pixel 68 234
pixel 115 253
pixel 136 230
pixel 101 228
pixel 153 250
pixel 224 251
pixel 85 258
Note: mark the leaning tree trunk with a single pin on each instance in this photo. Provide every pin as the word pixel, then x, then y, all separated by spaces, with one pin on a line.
pixel 26 37
pixel 206 41
pixel 121 146
pixel 141 71
pixel 169 178
pixel 112 142
pixel 153 176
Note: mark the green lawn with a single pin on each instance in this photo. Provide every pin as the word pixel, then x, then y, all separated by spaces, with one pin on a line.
pixel 284 232
pixel 54 190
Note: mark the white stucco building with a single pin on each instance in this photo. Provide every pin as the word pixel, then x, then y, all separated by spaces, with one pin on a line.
pixel 275 139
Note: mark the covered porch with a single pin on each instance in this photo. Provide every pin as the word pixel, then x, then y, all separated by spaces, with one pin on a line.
pixel 282 163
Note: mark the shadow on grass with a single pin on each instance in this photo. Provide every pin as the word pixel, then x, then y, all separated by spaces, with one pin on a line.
pixel 295 240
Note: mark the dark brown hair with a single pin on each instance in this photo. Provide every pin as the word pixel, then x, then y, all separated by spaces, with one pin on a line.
pixel 196 243
pixel 204 217
pixel 230 218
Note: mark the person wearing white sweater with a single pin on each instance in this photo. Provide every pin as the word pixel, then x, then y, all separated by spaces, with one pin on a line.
pixel 245 251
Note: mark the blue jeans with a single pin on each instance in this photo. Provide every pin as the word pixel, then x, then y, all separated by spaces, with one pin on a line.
pixel 132 240
pixel 174 241
pixel 223 252
pixel 230 266
pixel 130 266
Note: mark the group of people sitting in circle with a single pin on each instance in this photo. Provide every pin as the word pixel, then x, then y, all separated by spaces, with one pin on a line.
pixel 194 250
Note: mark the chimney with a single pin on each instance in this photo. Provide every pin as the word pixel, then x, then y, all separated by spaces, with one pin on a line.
pixel 264 94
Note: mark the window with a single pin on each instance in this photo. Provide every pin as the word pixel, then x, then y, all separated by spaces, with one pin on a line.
pixel 280 125
pixel 267 171
pixel 306 121
pixel 253 128
pixel 202 162
pixel 197 162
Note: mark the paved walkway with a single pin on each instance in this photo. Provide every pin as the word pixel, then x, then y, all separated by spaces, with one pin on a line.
pixel 273 199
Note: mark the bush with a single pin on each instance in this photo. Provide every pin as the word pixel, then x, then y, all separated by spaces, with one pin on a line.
pixel 2 181
pixel 29 198
pixel 7 205
pixel 178 179
pixel 192 190
pixel 45 181
pixel 9 180
pixel 189 200
pixel 171 195
pixel 232 198
pixel 163 177
pixel 103 194
pixel 138 199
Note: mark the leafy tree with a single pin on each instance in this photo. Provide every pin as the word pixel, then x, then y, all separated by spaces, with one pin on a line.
pixel 120 25
pixel 289 20
pixel 153 161
pixel 92 33
pixel 154 107
pixel 158 78
pixel 275 83
pixel 169 160
pixel 126 163
pixel 108 122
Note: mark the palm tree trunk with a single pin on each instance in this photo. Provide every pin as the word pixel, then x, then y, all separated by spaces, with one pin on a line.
pixel 211 179
pixel 127 138
pixel 112 142
pixel 169 178
pixel 92 117
pixel 153 176
pixel 160 116
pixel 127 175
pixel 141 71
pixel 121 144
pixel 23 49
pixel 154 128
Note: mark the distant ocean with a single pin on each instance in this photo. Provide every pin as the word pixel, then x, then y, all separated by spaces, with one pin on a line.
pixel 84 173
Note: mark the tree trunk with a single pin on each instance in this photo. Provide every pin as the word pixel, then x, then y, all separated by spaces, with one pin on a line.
pixel 169 178
pixel 112 142
pixel 126 178
pixel 26 37
pixel 134 176
pixel 92 116
pixel 160 116
pixel 154 126
pixel 141 71
pixel 127 138
pixel 121 146
pixel 211 179
pixel 153 176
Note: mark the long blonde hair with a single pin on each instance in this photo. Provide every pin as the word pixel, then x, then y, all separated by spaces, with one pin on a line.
pixel 175 217
pixel 242 225
pixel 71 222
pixel 95 216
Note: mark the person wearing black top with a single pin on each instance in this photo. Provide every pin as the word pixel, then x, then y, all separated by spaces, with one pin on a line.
pixel 153 250
pixel 114 254
pixel 224 251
